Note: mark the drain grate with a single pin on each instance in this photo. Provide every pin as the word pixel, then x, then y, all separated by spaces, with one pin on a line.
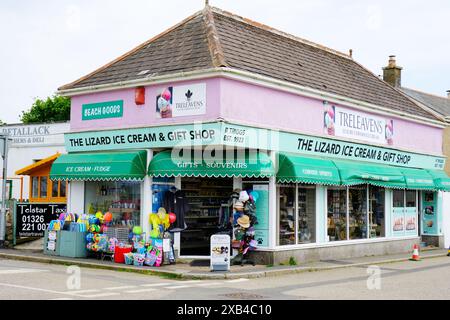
pixel 243 296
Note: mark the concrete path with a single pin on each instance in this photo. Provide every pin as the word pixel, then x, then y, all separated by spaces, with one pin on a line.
pixel 184 270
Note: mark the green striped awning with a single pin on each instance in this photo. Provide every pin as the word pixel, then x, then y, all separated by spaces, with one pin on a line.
pixel 297 169
pixel 125 166
pixel 250 164
pixel 418 179
pixel 353 173
pixel 441 179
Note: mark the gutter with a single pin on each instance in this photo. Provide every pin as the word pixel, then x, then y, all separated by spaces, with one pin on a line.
pixel 251 78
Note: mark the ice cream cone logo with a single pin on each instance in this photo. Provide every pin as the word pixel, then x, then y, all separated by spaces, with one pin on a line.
pixel 329 119
pixel 164 103
pixel 389 131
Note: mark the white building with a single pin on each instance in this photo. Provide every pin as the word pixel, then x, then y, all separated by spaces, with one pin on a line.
pixel 31 143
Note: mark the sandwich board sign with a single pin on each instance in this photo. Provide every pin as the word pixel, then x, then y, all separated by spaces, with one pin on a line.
pixel 220 252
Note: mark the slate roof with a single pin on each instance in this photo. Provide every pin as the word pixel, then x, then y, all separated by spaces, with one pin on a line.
pixel 214 38
pixel 439 104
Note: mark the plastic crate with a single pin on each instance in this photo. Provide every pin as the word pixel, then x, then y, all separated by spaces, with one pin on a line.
pixel 73 244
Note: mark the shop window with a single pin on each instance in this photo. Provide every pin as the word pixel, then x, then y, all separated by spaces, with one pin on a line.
pixel 286 211
pixel 337 213
pixel 43 188
pixel 55 189
pixel 306 214
pixel 62 189
pixel 121 198
pixel 398 199
pixel 410 197
pixel 35 187
pixel 357 208
pixel 376 212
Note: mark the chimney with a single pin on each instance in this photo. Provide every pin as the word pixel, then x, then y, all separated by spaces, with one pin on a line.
pixel 392 74
pixel 448 94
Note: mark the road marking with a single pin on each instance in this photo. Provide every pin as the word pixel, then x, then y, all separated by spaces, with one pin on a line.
pixel 207 284
pixel 101 295
pixel 77 292
pixel 237 280
pixel 192 281
pixel 140 290
pixel 120 288
pixel 30 288
pixel 177 287
pixel 156 284
pixel 19 271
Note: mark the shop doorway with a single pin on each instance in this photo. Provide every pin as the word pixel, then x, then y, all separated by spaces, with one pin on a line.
pixel 209 211
pixel 405 213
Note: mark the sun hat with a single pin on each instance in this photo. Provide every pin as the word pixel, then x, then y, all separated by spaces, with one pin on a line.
pixel 243 196
pixel 244 221
pixel 239 206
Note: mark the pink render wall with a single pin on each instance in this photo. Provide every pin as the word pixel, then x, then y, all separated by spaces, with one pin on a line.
pixel 260 106
pixel 143 115
pixel 245 103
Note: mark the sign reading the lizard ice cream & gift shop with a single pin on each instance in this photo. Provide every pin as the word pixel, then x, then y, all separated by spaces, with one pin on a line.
pixel 224 134
pixel 102 110
pixel 343 122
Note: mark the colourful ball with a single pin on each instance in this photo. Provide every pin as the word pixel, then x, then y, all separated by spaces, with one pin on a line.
pixel 172 217
pixel 137 230
pixel 107 217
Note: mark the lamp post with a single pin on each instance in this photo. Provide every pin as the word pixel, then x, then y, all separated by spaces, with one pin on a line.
pixel 4 141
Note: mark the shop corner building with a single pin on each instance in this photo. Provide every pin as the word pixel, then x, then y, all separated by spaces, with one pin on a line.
pixel 343 163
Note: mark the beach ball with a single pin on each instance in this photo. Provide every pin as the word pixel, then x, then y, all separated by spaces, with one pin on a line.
pixel 107 217
pixel 172 217
pixel 137 230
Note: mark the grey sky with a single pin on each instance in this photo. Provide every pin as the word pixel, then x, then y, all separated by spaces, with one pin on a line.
pixel 45 44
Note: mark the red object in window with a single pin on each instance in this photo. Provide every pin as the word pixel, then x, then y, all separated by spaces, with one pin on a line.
pixel 140 96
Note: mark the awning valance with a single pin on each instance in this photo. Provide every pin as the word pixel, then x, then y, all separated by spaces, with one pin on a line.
pixel 418 179
pixel 297 169
pixel 441 179
pixel 126 166
pixel 252 164
pixel 353 173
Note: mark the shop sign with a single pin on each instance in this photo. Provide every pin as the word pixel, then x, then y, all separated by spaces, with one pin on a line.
pixel 179 101
pixel 34 218
pixel 102 110
pixel 398 222
pixel 411 221
pixel 343 122
pixel 33 135
pixel 223 134
pixel 220 252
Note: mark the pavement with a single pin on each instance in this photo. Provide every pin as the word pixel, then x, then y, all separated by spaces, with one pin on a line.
pixel 426 279
pixel 187 270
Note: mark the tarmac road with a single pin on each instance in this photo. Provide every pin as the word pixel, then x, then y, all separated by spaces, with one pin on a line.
pixel 426 279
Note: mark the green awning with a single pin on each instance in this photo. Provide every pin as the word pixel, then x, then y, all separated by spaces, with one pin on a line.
pixel 100 166
pixel 297 169
pixel 418 179
pixel 353 173
pixel 441 179
pixel 250 165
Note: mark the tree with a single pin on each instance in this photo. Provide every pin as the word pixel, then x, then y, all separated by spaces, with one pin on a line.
pixel 56 108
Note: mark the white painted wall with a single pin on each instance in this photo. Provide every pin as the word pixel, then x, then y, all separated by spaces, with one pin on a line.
pixel 30 144
pixel 446 217
pixel 75 199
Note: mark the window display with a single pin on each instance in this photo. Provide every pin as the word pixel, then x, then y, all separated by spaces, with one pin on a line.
pixel 306 214
pixel 121 198
pixel 286 211
pixel 357 208
pixel 376 212
pixel 337 213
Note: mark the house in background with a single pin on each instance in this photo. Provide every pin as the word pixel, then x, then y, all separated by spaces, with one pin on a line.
pixel 440 106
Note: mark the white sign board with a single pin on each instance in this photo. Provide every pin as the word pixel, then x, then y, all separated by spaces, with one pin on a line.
pixel 343 122
pixel 220 252
pixel 180 101
pixel 36 135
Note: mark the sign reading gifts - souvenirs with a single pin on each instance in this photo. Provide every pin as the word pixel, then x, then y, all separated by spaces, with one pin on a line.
pixel 179 101
pixel 343 122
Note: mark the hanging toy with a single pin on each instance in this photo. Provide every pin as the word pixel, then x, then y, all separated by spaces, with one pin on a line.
pixel 107 218
pixel 172 217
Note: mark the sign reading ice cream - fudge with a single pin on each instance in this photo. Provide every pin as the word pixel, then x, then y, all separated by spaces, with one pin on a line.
pixel 343 122
pixel 179 101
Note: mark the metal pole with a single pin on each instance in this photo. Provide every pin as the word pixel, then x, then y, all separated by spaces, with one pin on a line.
pixel 4 178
